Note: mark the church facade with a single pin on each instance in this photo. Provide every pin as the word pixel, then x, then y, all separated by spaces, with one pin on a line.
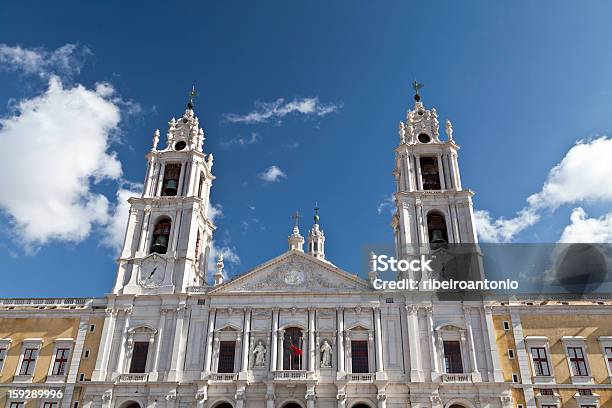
pixel 298 331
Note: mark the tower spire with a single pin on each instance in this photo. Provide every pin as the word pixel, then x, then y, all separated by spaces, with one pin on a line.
pixel 296 241
pixel 316 237
pixel 416 86
pixel 192 94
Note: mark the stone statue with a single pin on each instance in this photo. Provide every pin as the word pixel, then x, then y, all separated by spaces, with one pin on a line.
pixel 326 354
pixel 259 352
pixel 449 129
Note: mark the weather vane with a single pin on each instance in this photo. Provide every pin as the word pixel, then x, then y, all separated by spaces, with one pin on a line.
pixel 192 94
pixel 416 86
pixel 316 213
pixel 296 217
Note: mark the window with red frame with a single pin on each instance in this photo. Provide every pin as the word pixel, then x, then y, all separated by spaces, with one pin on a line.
pixel 29 361
pixel 61 361
pixel 540 361
pixel 577 361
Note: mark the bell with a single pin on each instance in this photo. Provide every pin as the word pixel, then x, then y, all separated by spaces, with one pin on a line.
pixel 437 237
pixel 161 245
pixel 170 188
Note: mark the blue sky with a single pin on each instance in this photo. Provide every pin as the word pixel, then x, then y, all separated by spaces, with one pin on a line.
pixel 521 81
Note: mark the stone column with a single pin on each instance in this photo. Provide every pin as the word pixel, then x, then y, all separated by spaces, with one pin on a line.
pixel 279 350
pixel 209 339
pixel 498 376
pixel 245 340
pixel 433 352
pixel 193 170
pixel 99 373
pixel 120 368
pixel 177 352
pixel 414 343
pixel 160 333
pixel 270 397
pixel 441 173
pixel 311 340
pixel 146 217
pixel 77 353
pixel 310 396
pixel 340 347
pixel 470 344
pixel 160 179
pixel 378 334
pixel 382 400
pixel 274 346
pixel 419 178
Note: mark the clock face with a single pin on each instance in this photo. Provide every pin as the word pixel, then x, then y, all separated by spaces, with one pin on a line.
pixel 294 277
pixel 152 272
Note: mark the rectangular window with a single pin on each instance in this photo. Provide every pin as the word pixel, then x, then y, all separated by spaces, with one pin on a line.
pixel 50 405
pixel 577 361
pixel 17 404
pixel 92 328
pixel 506 325
pixel 452 357
pixel 139 357
pixel 607 350
pixel 515 378
pixel 61 361
pixel 227 351
pixel 585 391
pixel 29 361
pixel 547 391
pixel 359 356
pixel 548 406
pixel 2 357
pixel 540 361
pixel 86 355
pixel 76 404
pixel 510 354
pixel 81 377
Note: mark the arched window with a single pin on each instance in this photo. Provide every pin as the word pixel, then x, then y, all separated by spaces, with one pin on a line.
pixel 430 175
pixel 224 405
pixel 436 228
pixel 161 236
pixel 293 349
pixel 292 405
pixel 172 173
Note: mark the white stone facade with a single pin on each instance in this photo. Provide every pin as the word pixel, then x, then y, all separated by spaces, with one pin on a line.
pixel 173 340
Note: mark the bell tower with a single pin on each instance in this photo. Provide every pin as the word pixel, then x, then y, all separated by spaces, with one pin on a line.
pixel 169 230
pixel 431 205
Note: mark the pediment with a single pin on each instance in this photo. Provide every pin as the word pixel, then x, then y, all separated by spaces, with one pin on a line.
pixel 295 271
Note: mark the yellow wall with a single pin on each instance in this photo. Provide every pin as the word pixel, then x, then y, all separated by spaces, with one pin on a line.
pixel 48 329
pixel 571 324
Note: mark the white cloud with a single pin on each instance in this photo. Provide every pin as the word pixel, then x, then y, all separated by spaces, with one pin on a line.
pixel 59 143
pixel 230 258
pixel 215 211
pixel 584 229
pixel 272 174
pixel 502 229
pixel 277 110
pixel 241 141
pixel 583 175
pixel 66 60
pixel 386 203
pixel 114 230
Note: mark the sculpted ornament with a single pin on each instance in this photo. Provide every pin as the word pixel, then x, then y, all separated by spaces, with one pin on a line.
pixel 295 273
pixel 259 352
pixel 326 355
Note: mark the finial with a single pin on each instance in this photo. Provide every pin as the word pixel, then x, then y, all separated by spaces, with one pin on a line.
pixel 155 139
pixel 316 213
pixel 192 94
pixel 296 217
pixel 416 86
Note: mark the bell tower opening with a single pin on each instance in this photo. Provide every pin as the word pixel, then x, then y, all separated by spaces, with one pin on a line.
pixel 172 173
pixel 430 173
pixel 161 236
pixel 436 228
